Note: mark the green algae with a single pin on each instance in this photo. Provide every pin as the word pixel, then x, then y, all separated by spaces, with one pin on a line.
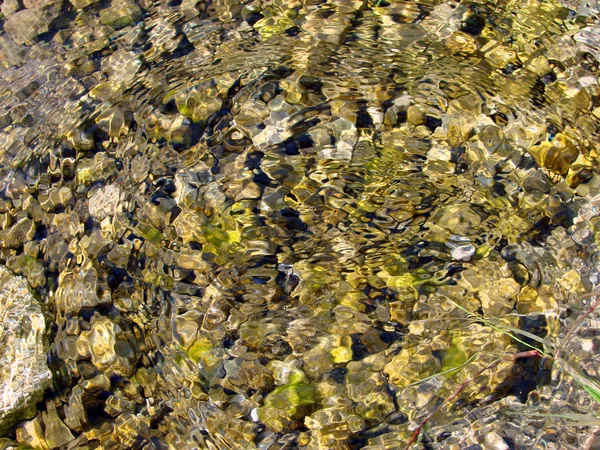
pixel 287 405
pixel 455 355
pixel 150 233
pixel 291 397
pixel 289 174
pixel 199 348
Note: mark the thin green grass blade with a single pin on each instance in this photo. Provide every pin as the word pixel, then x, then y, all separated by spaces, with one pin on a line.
pixel 500 328
pixel 463 308
pixel 532 336
pixel 577 420
pixel 453 369
pixel 595 394
pixel 588 385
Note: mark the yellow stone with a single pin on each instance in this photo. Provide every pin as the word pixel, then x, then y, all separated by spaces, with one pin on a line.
pixel 530 301
pixel 459 42
pixel 411 364
pixel 343 353
pixel 571 282
pixel 199 348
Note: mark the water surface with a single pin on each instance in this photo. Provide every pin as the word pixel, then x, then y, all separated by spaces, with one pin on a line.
pixel 300 224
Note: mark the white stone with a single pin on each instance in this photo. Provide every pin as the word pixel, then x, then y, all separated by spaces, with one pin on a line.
pixel 463 252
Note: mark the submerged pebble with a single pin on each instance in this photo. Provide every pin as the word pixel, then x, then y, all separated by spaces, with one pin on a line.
pixel 274 224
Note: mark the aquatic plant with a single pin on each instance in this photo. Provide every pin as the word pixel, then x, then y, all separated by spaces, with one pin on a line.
pixel 545 349
pixel 462 386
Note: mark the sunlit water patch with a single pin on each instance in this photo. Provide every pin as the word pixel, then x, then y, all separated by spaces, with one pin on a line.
pixel 305 224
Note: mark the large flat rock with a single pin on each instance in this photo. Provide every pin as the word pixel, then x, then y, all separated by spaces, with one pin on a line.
pixel 26 25
pixel 24 373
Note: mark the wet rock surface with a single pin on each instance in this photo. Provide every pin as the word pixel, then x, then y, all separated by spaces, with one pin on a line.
pixel 24 373
pixel 268 224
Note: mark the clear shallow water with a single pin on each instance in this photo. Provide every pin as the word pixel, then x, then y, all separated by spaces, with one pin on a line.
pixel 263 224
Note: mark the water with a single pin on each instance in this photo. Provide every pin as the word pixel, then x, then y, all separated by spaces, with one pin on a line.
pixel 305 224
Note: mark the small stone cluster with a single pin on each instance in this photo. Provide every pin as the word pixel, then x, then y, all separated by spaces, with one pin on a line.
pixel 258 224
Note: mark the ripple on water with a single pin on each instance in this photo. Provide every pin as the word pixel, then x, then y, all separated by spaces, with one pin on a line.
pixel 274 224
